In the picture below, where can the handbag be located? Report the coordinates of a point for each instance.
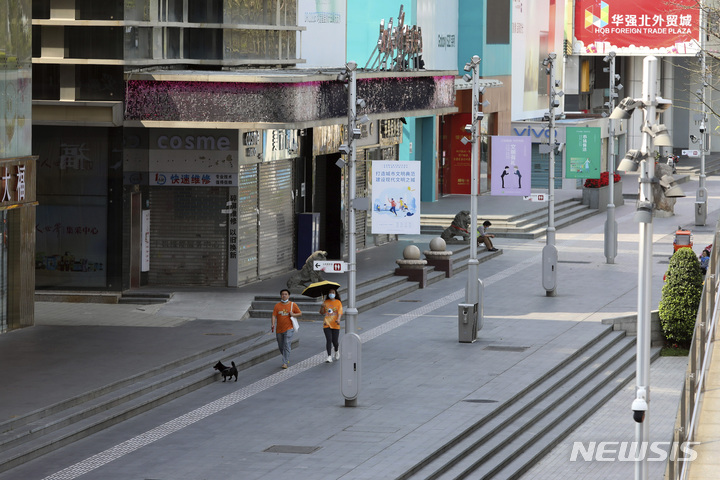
(295, 324)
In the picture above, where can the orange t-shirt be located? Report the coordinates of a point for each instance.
(333, 310)
(282, 313)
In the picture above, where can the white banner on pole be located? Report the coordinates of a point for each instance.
(396, 197)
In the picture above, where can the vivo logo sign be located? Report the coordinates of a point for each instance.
(533, 132)
(192, 142)
(628, 451)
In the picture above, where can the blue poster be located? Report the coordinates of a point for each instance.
(396, 197)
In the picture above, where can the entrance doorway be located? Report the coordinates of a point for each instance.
(327, 199)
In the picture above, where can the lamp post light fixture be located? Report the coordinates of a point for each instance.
(549, 252)
(610, 223)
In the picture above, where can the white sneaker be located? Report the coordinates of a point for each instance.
(337, 355)
(329, 359)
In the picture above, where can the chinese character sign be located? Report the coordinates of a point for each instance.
(396, 197)
(511, 162)
(640, 27)
(582, 152)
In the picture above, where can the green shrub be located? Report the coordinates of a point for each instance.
(681, 296)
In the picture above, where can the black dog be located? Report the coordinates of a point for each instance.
(227, 371)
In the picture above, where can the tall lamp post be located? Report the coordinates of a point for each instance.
(351, 348)
(610, 223)
(549, 252)
(702, 193)
(472, 289)
(653, 135)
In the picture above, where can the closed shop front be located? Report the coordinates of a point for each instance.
(276, 224)
(188, 238)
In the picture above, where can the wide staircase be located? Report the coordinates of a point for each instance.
(510, 439)
(528, 225)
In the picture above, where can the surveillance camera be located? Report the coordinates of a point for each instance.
(479, 115)
(702, 129)
(639, 407)
(693, 138)
(344, 149)
(469, 128)
(356, 133)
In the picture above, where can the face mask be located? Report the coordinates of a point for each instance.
(331, 296)
(285, 301)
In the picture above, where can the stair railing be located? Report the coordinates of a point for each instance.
(698, 364)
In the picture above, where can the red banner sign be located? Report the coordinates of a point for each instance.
(639, 27)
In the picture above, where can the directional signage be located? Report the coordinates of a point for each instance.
(691, 153)
(536, 197)
(330, 266)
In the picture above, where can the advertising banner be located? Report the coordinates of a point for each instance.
(396, 197)
(582, 152)
(641, 27)
(511, 165)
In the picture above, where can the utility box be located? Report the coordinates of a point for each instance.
(467, 322)
(350, 353)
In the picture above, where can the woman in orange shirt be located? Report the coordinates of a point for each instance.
(332, 310)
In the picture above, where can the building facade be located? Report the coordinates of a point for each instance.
(179, 142)
(17, 169)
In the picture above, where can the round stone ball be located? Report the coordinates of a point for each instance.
(437, 244)
(411, 252)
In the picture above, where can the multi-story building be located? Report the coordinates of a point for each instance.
(178, 140)
(17, 169)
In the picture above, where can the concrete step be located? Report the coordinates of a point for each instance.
(529, 225)
(508, 440)
(38, 433)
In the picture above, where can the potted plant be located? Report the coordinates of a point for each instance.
(596, 192)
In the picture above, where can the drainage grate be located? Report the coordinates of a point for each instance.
(291, 449)
(408, 300)
(480, 400)
(505, 348)
(573, 261)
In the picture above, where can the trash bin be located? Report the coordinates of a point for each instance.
(467, 322)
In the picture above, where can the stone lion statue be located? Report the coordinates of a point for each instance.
(306, 275)
(458, 228)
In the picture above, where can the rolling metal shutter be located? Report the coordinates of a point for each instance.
(277, 218)
(361, 216)
(247, 255)
(187, 244)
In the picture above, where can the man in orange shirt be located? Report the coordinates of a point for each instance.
(282, 325)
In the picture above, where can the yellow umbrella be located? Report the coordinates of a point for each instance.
(319, 289)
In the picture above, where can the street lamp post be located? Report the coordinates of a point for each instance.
(472, 289)
(702, 193)
(549, 252)
(610, 223)
(351, 346)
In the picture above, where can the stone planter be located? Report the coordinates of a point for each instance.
(598, 198)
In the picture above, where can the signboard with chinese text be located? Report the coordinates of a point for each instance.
(190, 179)
(396, 197)
(582, 152)
(17, 181)
(511, 165)
(641, 27)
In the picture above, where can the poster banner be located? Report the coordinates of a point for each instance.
(396, 197)
(641, 27)
(511, 165)
(582, 152)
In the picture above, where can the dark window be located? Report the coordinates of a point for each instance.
(49, 87)
(99, 82)
(498, 22)
(205, 11)
(94, 42)
(204, 43)
(41, 9)
(99, 10)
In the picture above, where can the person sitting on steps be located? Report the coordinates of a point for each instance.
(485, 237)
